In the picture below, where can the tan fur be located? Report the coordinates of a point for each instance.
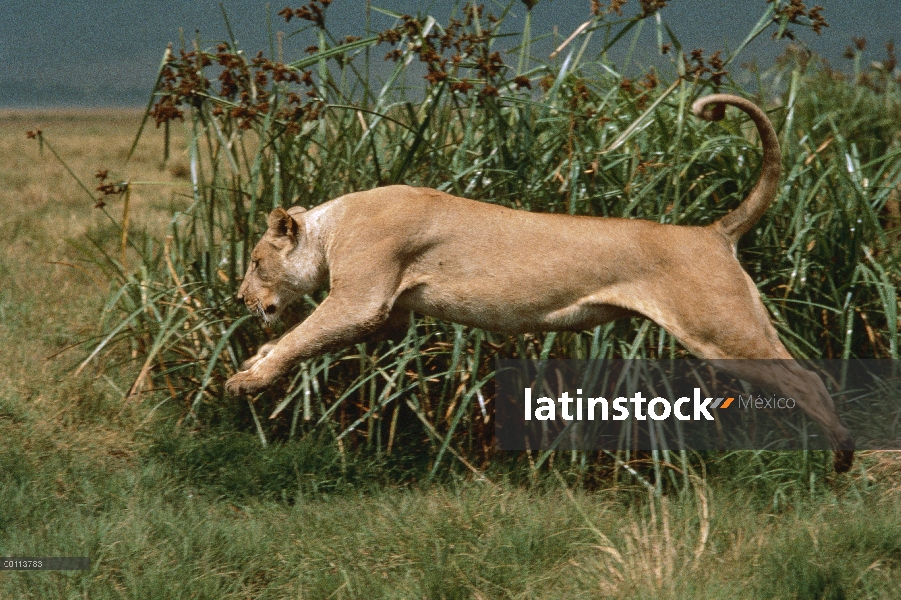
(391, 251)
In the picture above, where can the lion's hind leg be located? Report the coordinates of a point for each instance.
(732, 330)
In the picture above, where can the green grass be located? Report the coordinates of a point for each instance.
(218, 517)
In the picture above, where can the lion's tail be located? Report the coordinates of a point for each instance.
(739, 221)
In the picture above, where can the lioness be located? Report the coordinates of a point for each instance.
(394, 250)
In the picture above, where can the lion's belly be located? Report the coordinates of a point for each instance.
(504, 306)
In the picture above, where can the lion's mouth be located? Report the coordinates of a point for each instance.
(266, 313)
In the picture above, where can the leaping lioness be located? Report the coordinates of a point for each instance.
(394, 250)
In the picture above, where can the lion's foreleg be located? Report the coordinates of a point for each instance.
(335, 324)
(394, 328)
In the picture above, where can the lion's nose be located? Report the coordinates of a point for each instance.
(239, 296)
(270, 309)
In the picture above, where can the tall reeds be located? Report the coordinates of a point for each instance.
(468, 108)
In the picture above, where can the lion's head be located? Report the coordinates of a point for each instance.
(285, 265)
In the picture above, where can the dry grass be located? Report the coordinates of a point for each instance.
(50, 296)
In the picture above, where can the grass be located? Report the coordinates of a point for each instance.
(172, 513)
(168, 486)
(156, 530)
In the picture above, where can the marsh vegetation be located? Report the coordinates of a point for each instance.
(371, 472)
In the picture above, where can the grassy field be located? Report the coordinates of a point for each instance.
(378, 477)
(166, 513)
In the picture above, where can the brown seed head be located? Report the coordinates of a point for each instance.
(522, 82)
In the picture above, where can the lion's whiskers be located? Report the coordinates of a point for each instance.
(257, 309)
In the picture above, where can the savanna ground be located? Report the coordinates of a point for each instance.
(165, 513)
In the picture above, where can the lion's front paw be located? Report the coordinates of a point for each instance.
(264, 350)
(245, 366)
(247, 383)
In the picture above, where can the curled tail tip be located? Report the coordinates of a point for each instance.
(709, 108)
(739, 221)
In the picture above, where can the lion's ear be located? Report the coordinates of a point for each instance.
(281, 223)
